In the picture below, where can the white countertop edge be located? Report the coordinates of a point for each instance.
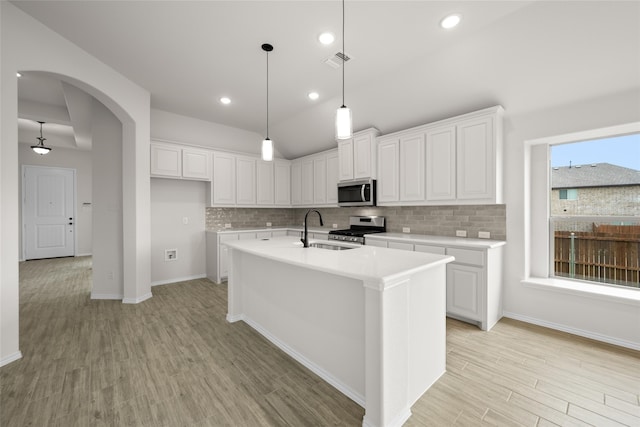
(384, 282)
(462, 242)
(258, 230)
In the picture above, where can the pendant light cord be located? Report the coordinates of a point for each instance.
(344, 54)
(267, 94)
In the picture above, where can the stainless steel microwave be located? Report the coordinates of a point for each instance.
(357, 193)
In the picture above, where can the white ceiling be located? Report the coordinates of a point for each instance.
(405, 70)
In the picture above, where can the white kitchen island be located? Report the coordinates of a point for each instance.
(370, 321)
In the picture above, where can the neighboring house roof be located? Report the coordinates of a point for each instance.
(593, 175)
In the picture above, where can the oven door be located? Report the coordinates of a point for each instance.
(357, 193)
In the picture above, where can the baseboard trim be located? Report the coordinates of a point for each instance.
(89, 254)
(178, 279)
(236, 318)
(10, 358)
(107, 296)
(575, 331)
(138, 299)
(339, 385)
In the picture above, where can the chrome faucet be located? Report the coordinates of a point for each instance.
(305, 238)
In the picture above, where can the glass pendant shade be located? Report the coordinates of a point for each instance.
(267, 150)
(344, 127)
(40, 149)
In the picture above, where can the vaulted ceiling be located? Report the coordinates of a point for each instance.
(405, 70)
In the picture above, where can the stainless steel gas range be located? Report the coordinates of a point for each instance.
(358, 227)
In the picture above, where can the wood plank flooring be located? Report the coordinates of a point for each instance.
(175, 361)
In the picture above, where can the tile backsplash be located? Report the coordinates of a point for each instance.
(434, 220)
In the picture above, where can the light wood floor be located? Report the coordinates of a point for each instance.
(174, 361)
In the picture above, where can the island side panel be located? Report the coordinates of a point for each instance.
(316, 317)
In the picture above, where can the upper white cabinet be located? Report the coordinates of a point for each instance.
(245, 180)
(282, 182)
(314, 179)
(296, 183)
(265, 183)
(223, 188)
(454, 161)
(333, 166)
(306, 181)
(176, 161)
(320, 180)
(358, 155)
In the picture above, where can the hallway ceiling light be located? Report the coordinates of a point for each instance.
(267, 144)
(41, 148)
(450, 21)
(344, 121)
(313, 95)
(224, 100)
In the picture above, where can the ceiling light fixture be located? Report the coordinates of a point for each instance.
(267, 144)
(326, 38)
(344, 123)
(224, 100)
(41, 148)
(450, 21)
(313, 96)
(18, 74)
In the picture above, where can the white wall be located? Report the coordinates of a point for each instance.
(592, 317)
(107, 204)
(27, 45)
(174, 127)
(79, 160)
(171, 202)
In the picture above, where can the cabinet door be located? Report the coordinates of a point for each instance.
(363, 156)
(378, 243)
(224, 179)
(282, 177)
(401, 246)
(475, 159)
(245, 181)
(345, 153)
(441, 163)
(388, 174)
(166, 160)
(429, 249)
(265, 182)
(464, 291)
(320, 180)
(196, 164)
(307, 182)
(412, 162)
(223, 251)
(332, 178)
(296, 183)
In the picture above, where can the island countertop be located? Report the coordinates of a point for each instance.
(377, 267)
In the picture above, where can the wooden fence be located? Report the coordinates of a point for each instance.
(609, 253)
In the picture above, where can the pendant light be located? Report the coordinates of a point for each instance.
(267, 144)
(344, 122)
(41, 148)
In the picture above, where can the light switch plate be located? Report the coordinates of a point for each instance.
(406, 230)
(484, 234)
(461, 233)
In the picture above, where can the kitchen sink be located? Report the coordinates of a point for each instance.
(330, 246)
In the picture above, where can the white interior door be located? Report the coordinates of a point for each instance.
(48, 216)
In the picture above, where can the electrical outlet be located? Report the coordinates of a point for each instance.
(268, 224)
(406, 230)
(484, 234)
(110, 275)
(185, 220)
(335, 225)
(461, 233)
(227, 226)
(170, 254)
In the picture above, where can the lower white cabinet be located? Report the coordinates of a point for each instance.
(474, 279)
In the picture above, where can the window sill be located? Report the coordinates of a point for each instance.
(588, 290)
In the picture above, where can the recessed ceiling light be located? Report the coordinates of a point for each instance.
(313, 95)
(450, 21)
(225, 100)
(18, 75)
(326, 38)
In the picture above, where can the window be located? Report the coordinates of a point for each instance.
(596, 237)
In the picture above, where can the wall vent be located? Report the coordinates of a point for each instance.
(337, 60)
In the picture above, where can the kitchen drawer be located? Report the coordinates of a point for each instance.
(402, 246)
(280, 233)
(228, 237)
(319, 236)
(466, 256)
(430, 249)
(263, 235)
(378, 243)
(246, 236)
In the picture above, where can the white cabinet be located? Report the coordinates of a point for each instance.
(378, 243)
(306, 182)
(265, 183)
(412, 167)
(476, 158)
(441, 163)
(388, 173)
(282, 182)
(400, 245)
(296, 183)
(218, 255)
(332, 177)
(464, 291)
(358, 155)
(223, 188)
(245, 180)
(175, 161)
(320, 180)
